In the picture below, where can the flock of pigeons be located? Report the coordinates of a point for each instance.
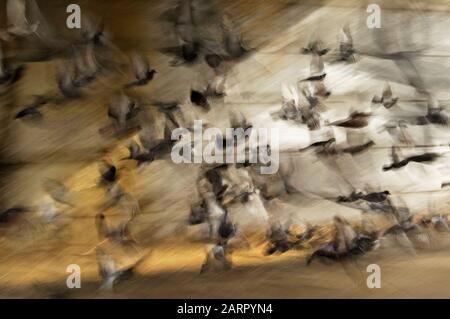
(219, 186)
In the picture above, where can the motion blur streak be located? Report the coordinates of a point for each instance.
(87, 179)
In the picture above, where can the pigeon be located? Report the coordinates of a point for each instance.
(279, 240)
(376, 197)
(434, 112)
(110, 273)
(9, 75)
(142, 70)
(355, 120)
(32, 111)
(360, 246)
(238, 120)
(218, 253)
(108, 173)
(198, 214)
(17, 21)
(290, 104)
(346, 49)
(440, 223)
(11, 214)
(199, 99)
(315, 47)
(170, 110)
(66, 83)
(328, 148)
(94, 31)
(356, 149)
(120, 234)
(317, 69)
(86, 66)
(422, 158)
(310, 117)
(58, 191)
(155, 149)
(122, 109)
(226, 229)
(346, 244)
(232, 39)
(134, 150)
(188, 49)
(387, 98)
(215, 178)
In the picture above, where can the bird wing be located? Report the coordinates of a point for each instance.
(15, 13)
(140, 65)
(290, 93)
(345, 36)
(394, 155)
(387, 91)
(316, 65)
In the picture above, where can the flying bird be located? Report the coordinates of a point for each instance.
(387, 99)
(18, 24)
(142, 70)
(355, 120)
(316, 69)
(199, 99)
(315, 47)
(397, 163)
(346, 49)
(122, 109)
(110, 272)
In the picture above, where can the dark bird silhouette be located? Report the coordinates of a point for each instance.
(356, 149)
(119, 234)
(32, 111)
(279, 240)
(346, 244)
(226, 229)
(316, 69)
(66, 84)
(12, 214)
(85, 63)
(440, 223)
(215, 178)
(355, 120)
(188, 48)
(232, 39)
(142, 70)
(376, 197)
(310, 117)
(386, 98)
(422, 158)
(199, 99)
(18, 23)
(122, 109)
(346, 51)
(199, 213)
(156, 148)
(9, 74)
(109, 271)
(134, 150)
(171, 111)
(360, 246)
(238, 120)
(108, 173)
(434, 113)
(315, 47)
